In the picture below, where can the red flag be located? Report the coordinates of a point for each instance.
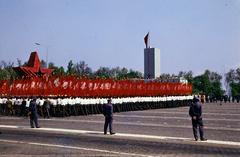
(146, 40)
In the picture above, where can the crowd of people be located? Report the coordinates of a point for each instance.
(70, 106)
(224, 98)
(73, 106)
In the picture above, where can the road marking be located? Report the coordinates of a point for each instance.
(76, 148)
(186, 113)
(184, 118)
(119, 134)
(155, 125)
(129, 116)
(144, 124)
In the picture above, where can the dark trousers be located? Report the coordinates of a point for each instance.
(195, 124)
(46, 113)
(23, 110)
(108, 122)
(34, 120)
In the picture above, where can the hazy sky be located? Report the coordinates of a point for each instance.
(192, 34)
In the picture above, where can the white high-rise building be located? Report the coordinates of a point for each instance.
(151, 63)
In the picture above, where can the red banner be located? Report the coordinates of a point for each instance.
(74, 87)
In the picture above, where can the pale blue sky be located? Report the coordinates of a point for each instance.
(192, 34)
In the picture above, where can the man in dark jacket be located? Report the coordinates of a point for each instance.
(33, 113)
(195, 112)
(108, 113)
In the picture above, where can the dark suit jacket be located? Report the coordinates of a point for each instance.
(107, 109)
(33, 107)
(195, 110)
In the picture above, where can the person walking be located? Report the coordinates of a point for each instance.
(108, 114)
(195, 112)
(33, 113)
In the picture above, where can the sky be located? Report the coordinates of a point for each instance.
(191, 34)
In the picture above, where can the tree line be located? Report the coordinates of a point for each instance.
(208, 83)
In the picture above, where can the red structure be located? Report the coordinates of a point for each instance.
(33, 68)
(71, 86)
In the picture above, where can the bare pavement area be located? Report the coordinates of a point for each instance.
(160, 132)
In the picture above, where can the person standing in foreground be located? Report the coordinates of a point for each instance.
(33, 113)
(108, 113)
(195, 112)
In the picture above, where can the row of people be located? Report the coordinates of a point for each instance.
(61, 107)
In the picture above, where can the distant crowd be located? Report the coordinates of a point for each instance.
(224, 98)
(63, 107)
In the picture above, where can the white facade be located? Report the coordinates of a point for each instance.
(151, 63)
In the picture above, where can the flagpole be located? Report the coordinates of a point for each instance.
(149, 39)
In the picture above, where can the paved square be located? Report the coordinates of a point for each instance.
(160, 132)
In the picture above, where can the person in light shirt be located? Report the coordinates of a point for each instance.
(53, 101)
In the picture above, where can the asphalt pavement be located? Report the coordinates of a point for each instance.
(160, 132)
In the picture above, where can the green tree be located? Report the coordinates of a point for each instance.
(134, 74)
(233, 80)
(59, 71)
(103, 72)
(208, 83)
(186, 75)
(71, 68)
(82, 69)
(51, 65)
(7, 72)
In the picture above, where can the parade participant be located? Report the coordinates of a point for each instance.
(59, 107)
(195, 112)
(17, 106)
(53, 101)
(9, 107)
(40, 102)
(202, 97)
(23, 107)
(46, 108)
(1, 105)
(27, 103)
(4, 106)
(108, 113)
(33, 113)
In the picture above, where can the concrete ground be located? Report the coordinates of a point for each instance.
(160, 132)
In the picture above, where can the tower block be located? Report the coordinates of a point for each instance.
(151, 63)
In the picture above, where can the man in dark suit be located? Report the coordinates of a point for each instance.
(195, 112)
(33, 113)
(108, 113)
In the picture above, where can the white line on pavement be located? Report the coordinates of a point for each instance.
(130, 116)
(76, 148)
(152, 125)
(186, 113)
(142, 124)
(119, 134)
(164, 117)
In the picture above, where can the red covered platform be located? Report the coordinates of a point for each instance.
(33, 68)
